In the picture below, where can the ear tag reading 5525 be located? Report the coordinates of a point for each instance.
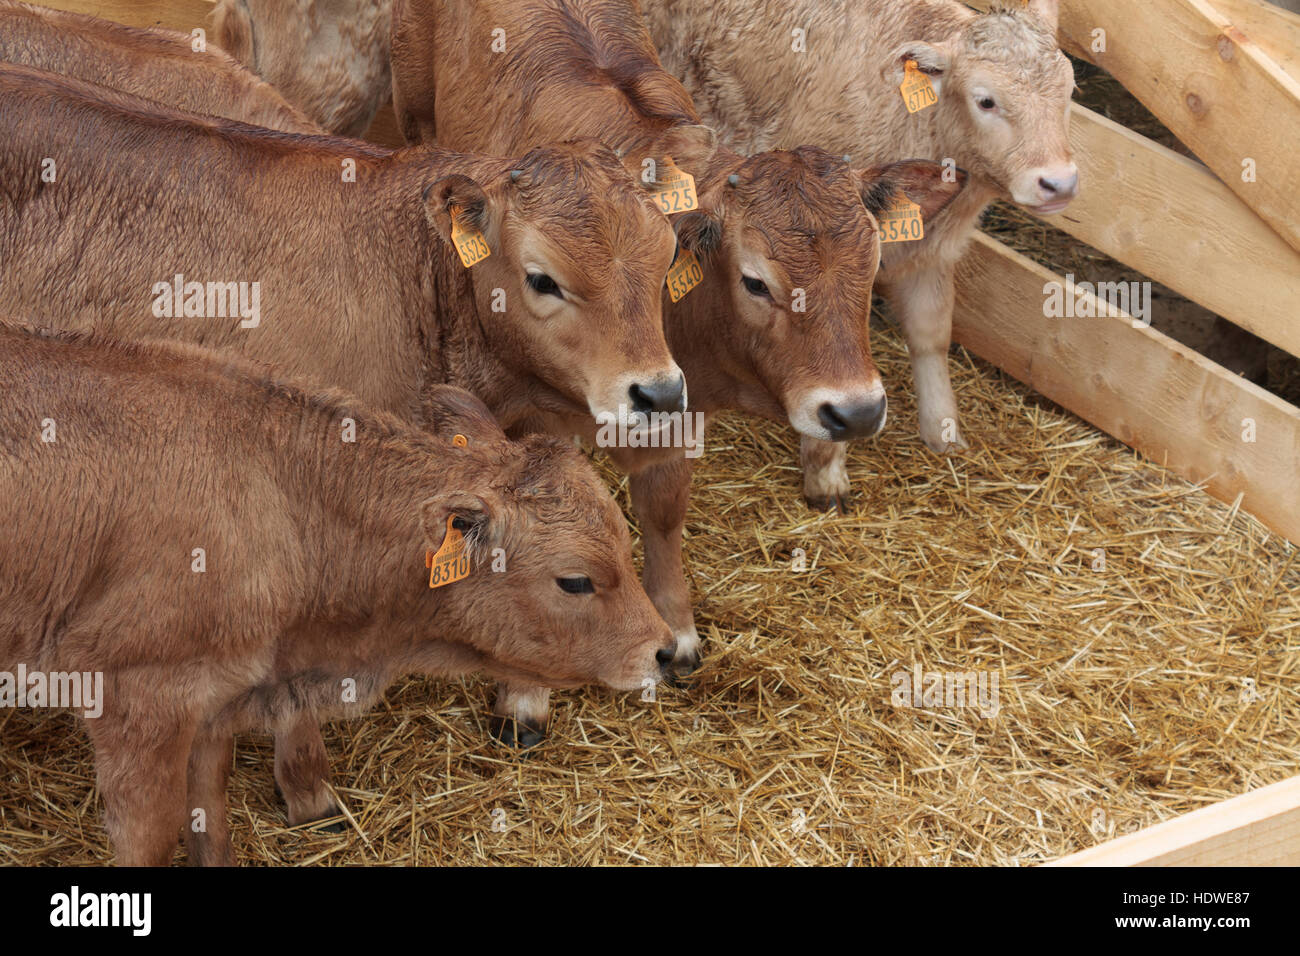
(918, 92)
(674, 189)
(901, 220)
(451, 562)
(470, 243)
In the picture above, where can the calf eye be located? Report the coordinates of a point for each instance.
(543, 284)
(987, 104)
(755, 286)
(576, 585)
(461, 524)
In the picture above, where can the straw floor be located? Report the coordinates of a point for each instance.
(1161, 683)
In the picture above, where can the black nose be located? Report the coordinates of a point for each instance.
(665, 656)
(662, 395)
(1059, 187)
(857, 420)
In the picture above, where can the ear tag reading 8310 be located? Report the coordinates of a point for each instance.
(674, 189)
(470, 243)
(901, 220)
(918, 92)
(451, 561)
(684, 275)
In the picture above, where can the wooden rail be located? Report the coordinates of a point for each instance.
(1170, 218)
(1260, 828)
(1172, 404)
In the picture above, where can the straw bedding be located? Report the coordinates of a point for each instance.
(1155, 686)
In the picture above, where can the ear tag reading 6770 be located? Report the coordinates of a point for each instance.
(451, 561)
(469, 241)
(918, 92)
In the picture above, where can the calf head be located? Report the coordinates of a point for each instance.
(563, 605)
(790, 246)
(570, 293)
(1004, 94)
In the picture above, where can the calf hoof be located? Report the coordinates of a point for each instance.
(517, 733)
(336, 827)
(839, 503)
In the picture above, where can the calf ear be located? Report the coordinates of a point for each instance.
(465, 196)
(1049, 11)
(934, 59)
(473, 516)
(690, 147)
(920, 180)
(699, 232)
(454, 411)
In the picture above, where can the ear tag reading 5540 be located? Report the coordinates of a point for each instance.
(675, 189)
(469, 241)
(918, 92)
(684, 275)
(901, 220)
(451, 562)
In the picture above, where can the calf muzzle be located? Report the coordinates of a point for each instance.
(666, 394)
(845, 421)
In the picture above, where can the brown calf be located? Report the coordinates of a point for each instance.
(329, 57)
(355, 286)
(251, 554)
(157, 64)
(788, 240)
(1003, 93)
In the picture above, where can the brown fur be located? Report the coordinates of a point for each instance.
(359, 288)
(314, 551)
(794, 219)
(383, 308)
(156, 64)
(328, 57)
(735, 57)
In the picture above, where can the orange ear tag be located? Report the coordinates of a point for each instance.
(460, 441)
(901, 221)
(451, 562)
(684, 275)
(674, 190)
(918, 92)
(470, 243)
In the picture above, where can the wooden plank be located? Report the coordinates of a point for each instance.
(1274, 30)
(1169, 403)
(1170, 218)
(183, 15)
(1213, 87)
(1260, 828)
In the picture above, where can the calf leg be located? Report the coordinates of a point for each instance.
(520, 714)
(923, 303)
(141, 764)
(660, 495)
(302, 770)
(207, 836)
(825, 477)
